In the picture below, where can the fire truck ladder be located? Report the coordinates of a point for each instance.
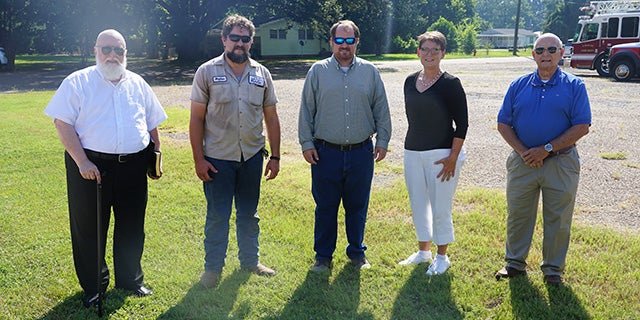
(608, 7)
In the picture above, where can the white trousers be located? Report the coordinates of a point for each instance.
(431, 199)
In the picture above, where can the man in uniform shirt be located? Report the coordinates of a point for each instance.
(230, 97)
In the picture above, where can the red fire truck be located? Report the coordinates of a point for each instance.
(604, 24)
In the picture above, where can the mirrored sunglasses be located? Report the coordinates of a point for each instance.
(106, 50)
(237, 37)
(541, 50)
(349, 41)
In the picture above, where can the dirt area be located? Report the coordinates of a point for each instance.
(609, 193)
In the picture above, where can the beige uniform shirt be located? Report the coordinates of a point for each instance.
(234, 118)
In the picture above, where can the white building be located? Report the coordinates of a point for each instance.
(503, 38)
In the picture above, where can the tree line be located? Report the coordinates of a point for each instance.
(153, 26)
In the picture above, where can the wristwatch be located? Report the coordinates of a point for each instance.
(548, 147)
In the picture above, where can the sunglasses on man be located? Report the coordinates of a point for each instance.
(106, 50)
(237, 37)
(541, 50)
(349, 41)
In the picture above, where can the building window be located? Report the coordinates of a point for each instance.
(282, 34)
(305, 34)
(273, 34)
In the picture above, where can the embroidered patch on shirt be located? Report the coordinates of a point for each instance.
(220, 79)
(258, 81)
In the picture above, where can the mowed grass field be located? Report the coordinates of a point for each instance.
(37, 279)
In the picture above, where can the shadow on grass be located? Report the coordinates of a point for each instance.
(317, 298)
(528, 302)
(72, 307)
(201, 303)
(424, 297)
(48, 76)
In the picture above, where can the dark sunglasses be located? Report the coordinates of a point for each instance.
(349, 41)
(237, 37)
(540, 50)
(106, 50)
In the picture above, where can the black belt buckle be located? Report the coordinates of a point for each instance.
(346, 147)
(122, 158)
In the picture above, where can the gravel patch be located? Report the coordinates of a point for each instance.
(609, 192)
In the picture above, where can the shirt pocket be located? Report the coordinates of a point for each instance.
(221, 93)
(256, 95)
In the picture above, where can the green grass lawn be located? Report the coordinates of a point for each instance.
(37, 278)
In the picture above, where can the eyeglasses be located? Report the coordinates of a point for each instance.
(237, 37)
(106, 50)
(349, 41)
(430, 50)
(540, 50)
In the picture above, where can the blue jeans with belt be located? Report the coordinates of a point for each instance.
(239, 181)
(341, 176)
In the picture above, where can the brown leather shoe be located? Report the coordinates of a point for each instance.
(209, 279)
(509, 272)
(261, 270)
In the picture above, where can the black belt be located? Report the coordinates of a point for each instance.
(561, 151)
(343, 147)
(120, 158)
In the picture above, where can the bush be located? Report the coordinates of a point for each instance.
(399, 45)
(468, 40)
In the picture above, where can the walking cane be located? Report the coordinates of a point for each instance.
(99, 251)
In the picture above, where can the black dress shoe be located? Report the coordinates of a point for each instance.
(142, 291)
(553, 279)
(91, 299)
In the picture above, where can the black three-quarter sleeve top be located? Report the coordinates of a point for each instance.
(433, 113)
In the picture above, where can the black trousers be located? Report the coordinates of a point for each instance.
(124, 189)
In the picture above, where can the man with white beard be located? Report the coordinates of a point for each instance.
(107, 119)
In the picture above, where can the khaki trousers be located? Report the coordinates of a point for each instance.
(557, 181)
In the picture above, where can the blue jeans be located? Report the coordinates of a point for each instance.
(341, 176)
(239, 181)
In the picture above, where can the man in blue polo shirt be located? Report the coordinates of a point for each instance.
(543, 115)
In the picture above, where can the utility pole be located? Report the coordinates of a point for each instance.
(515, 34)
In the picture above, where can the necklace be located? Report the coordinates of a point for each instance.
(428, 84)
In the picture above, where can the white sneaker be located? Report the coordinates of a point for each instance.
(439, 266)
(415, 258)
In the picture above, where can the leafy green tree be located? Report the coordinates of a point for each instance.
(14, 27)
(562, 19)
(502, 13)
(373, 17)
(467, 38)
(449, 30)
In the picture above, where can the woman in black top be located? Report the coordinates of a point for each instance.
(436, 108)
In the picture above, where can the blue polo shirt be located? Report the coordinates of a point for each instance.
(540, 111)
